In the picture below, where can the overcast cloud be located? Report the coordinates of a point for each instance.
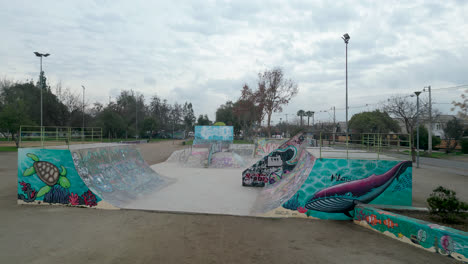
(204, 51)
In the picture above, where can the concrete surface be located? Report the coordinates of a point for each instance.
(55, 234)
(215, 191)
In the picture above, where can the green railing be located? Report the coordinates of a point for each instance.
(378, 143)
(34, 136)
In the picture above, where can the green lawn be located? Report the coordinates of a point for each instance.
(8, 149)
(438, 155)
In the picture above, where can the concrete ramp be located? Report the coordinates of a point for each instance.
(117, 174)
(93, 177)
(273, 167)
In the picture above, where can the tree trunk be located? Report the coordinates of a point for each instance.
(268, 125)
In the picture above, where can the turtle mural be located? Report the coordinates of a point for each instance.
(49, 176)
(48, 173)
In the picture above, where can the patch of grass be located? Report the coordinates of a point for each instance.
(242, 141)
(8, 149)
(441, 155)
(189, 142)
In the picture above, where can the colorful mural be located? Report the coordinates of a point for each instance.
(432, 237)
(273, 196)
(209, 134)
(271, 168)
(263, 146)
(117, 174)
(335, 186)
(49, 176)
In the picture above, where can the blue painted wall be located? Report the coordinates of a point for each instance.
(69, 189)
(332, 172)
(204, 134)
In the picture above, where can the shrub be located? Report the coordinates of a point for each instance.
(464, 145)
(444, 204)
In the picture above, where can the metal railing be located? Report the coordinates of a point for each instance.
(378, 143)
(34, 136)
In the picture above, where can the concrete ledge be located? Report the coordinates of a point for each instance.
(428, 236)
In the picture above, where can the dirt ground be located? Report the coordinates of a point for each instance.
(58, 234)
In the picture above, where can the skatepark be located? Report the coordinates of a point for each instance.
(198, 238)
(206, 177)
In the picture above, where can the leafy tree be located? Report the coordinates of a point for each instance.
(301, 113)
(203, 120)
(246, 113)
(453, 131)
(150, 126)
(309, 114)
(423, 138)
(373, 122)
(188, 116)
(12, 116)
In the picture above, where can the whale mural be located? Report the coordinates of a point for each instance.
(333, 187)
(343, 197)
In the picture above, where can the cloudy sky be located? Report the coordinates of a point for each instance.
(204, 51)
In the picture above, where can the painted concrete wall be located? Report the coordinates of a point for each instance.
(271, 168)
(263, 146)
(49, 176)
(208, 134)
(335, 186)
(432, 237)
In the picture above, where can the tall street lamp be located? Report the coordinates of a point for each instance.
(417, 127)
(346, 38)
(82, 128)
(40, 55)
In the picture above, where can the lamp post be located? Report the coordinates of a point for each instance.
(417, 127)
(82, 128)
(429, 134)
(40, 55)
(346, 38)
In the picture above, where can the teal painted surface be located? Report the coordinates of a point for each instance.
(432, 237)
(71, 193)
(331, 172)
(210, 134)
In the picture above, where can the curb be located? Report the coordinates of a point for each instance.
(428, 236)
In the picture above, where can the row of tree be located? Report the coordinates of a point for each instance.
(128, 116)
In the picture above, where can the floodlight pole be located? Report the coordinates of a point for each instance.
(41, 86)
(82, 128)
(346, 40)
(417, 127)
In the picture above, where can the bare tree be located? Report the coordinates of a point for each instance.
(274, 91)
(463, 105)
(405, 109)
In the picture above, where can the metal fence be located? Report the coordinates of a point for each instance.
(35, 136)
(378, 143)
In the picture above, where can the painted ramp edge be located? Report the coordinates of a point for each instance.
(271, 168)
(334, 187)
(119, 174)
(48, 176)
(428, 236)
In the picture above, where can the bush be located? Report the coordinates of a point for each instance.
(444, 204)
(464, 145)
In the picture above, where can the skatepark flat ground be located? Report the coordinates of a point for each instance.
(53, 234)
